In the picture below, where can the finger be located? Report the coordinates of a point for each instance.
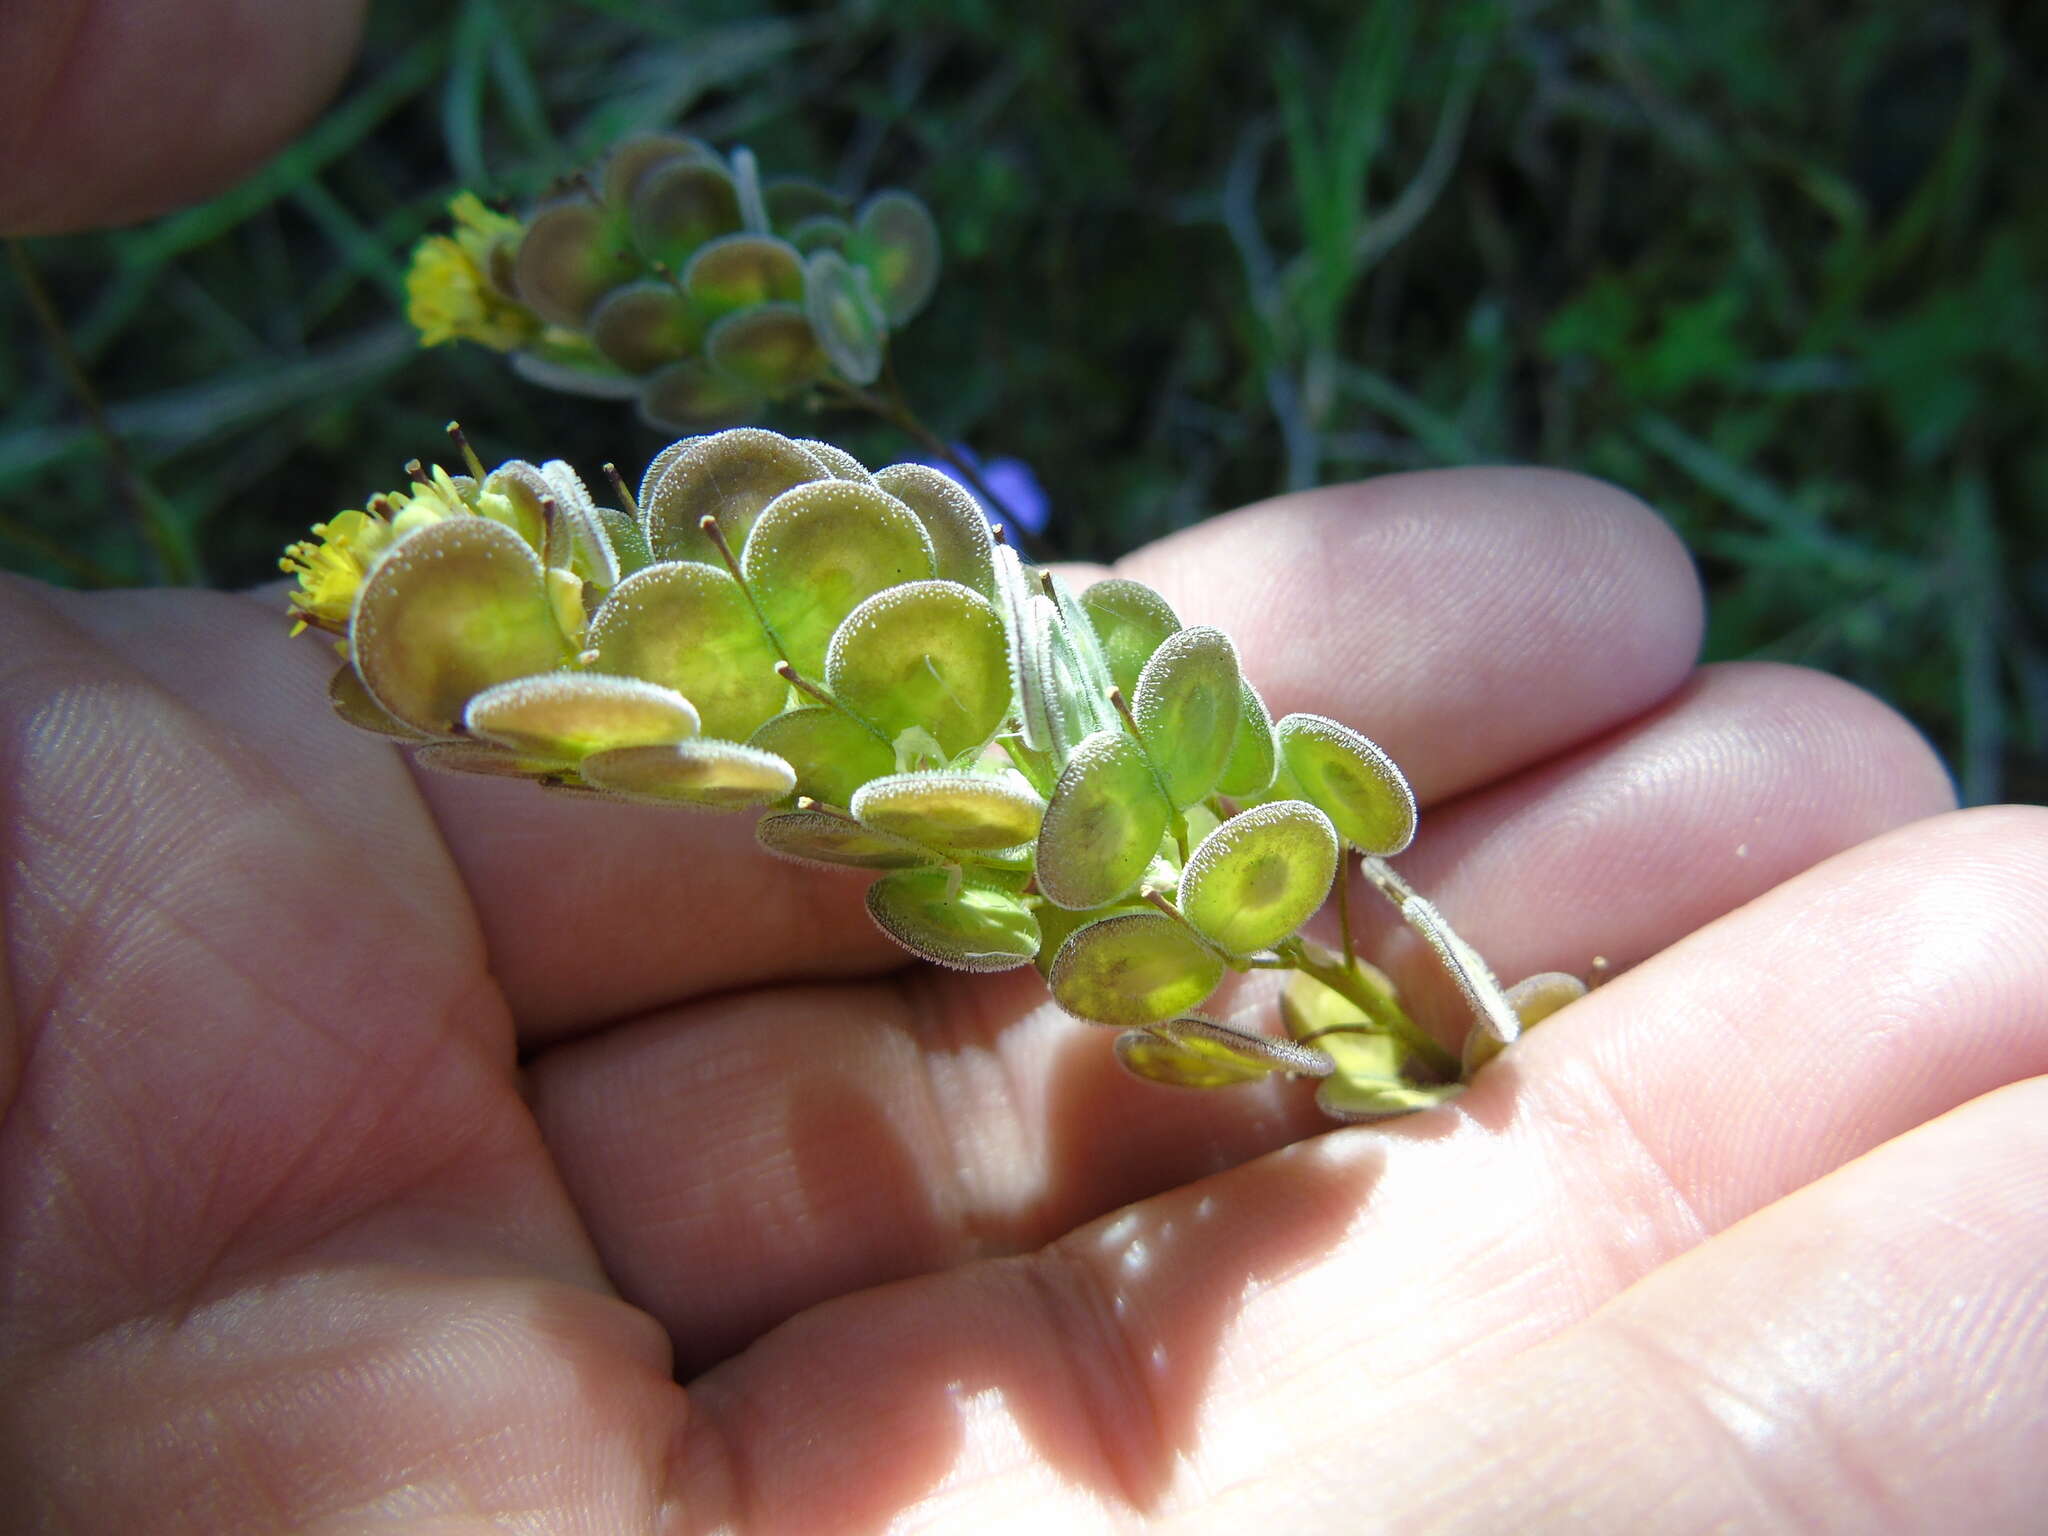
(1869, 1354)
(113, 110)
(984, 1120)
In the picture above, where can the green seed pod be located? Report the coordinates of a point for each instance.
(958, 924)
(1534, 999)
(569, 258)
(832, 753)
(628, 541)
(737, 272)
(961, 544)
(1140, 968)
(575, 536)
(1198, 1052)
(770, 349)
(1186, 707)
(821, 233)
(818, 551)
(1130, 621)
(700, 773)
(479, 759)
(832, 842)
(452, 609)
(689, 394)
(790, 200)
(731, 476)
(843, 465)
(1259, 876)
(637, 154)
(584, 373)
(927, 656)
(896, 239)
(567, 716)
(962, 812)
(1102, 825)
(690, 628)
(1255, 753)
(843, 311)
(643, 325)
(1354, 783)
(680, 205)
(1360, 1100)
(352, 701)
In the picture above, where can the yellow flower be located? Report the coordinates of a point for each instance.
(331, 570)
(449, 294)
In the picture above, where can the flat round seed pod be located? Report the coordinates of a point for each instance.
(576, 538)
(950, 922)
(628, 541)
(593, 377)
(708, 775)
(1197, 1052)
(1026, 615)
(962, 546)
(818, 551)
(843, 465)
(1261, 875)
(1254, 752)
(740, 271)
(659, 466)
(480, 758)
(926, 655)
(1140, 968)
(678, 206)
(352, 701)
(833, 754)
(770, 349)
(688, 393)
(568, 259)
(1130, 621)
(966, 812)
(1361, 1100)
(728, 475)
(569, 715)
(637, 154)
(828, 841)
(845, 314)
(690, 628)
(452, 609)
(1352, 780)
(898, 241)
(640, 326)
(1186, 706)
(1534, 999)
(1102, 825)
(791, 199)
(820, 232)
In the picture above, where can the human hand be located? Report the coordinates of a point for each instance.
(342, 1103)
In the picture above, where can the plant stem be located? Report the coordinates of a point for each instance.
(895, 410)
(170, 544)
(1381, 1011)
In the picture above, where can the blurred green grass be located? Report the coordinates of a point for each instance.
(1780, 268)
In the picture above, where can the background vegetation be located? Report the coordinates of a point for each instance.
(1777, 265)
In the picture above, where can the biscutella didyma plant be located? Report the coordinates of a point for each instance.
(675, 277)
(1028, 775)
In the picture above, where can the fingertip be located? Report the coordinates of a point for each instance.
(113, 110)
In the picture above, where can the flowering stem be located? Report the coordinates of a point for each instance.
(895, 410)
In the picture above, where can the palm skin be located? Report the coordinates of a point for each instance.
(377, 1155)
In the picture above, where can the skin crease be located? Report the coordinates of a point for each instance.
(378, 1154)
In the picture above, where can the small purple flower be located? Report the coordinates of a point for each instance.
(1011, 480)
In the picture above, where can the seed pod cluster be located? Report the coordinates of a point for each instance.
(676, 277)
(1026, 774)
